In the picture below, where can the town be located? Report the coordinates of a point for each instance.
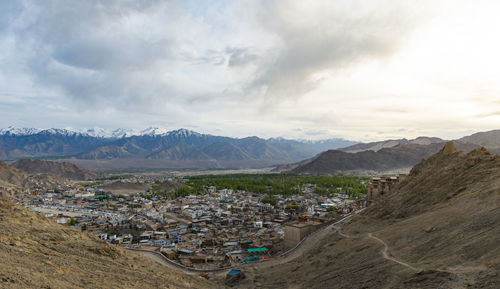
(216, 227)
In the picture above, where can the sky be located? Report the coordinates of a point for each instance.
(362, 70)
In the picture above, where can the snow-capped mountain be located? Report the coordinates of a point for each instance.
(19, 131)
(121, 132)
(153, 143)
(15, 131)
(98, 132)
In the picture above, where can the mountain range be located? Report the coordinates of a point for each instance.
(182, 148)
(390, 156)
(159, 147)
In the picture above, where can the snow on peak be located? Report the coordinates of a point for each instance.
(59, 131)
(19, 131)
(152, 131)
(101, 132)
(183, 133)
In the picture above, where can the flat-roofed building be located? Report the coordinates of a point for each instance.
(381, 185)
(296, 231)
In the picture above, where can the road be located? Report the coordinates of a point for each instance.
(308, 243)
(157, 257)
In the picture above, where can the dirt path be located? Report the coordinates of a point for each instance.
(454, 270)
(386, 255)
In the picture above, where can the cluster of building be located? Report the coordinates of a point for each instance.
(212, 230)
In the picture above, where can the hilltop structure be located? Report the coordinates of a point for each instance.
(379, 186)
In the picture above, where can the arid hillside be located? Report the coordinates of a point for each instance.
(439, 228)
(14, 181)
(398, 158)
(61, 169)
(37, 253)
(11, 179)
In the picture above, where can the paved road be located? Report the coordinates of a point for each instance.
(157, 257)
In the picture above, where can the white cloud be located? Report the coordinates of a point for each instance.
(358, 69)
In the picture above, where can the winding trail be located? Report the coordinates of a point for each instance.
(387, 257)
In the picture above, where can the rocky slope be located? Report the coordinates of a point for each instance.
(42, 254)
(487, 139)
(400, 157)
(376, 146)
(11, 179)
(439, 228)
(14, 181)
(61, 169)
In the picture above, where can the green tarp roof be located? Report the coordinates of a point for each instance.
(257, 249)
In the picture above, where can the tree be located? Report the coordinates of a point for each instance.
(269, 200)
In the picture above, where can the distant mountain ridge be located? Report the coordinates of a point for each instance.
(376, 146)
(488, 139)
(389, 156)
(396, 159)
(159, 145)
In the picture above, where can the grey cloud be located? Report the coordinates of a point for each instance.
(118, 53)
(211, 57)
(9, 11)
(316, 132)
(240, 56)
(81, 49)
(344, 33)
(233, 56)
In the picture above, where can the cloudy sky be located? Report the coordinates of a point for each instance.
(362, 70)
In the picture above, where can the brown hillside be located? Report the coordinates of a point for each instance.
(398, 157)
(14, 181)
(11, 179)
(439, 228)
(37, 253)
(61, 169)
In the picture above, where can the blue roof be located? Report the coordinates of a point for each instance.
(234, 272)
